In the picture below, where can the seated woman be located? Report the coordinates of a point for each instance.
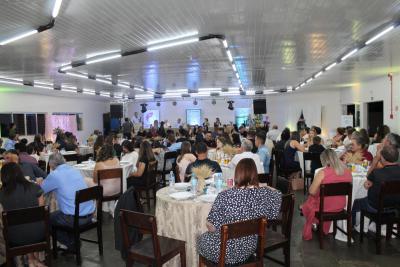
(128, 153)
(146, 156)
(106, 160)
(334, 171)
(289, 152)
(358, 150)
(184, 159)
(18, 193)
(243, 202)
(339, 137)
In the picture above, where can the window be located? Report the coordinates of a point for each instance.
(41, 124)
(19, 120)
(5, 120)
(31, 126)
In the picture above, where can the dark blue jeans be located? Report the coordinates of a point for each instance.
(361, 204)
(59, 218)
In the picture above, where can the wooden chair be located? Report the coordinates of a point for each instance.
(24, 216)
(42, 164)
(385, 215)
(73, 158)
(309, 174)
(275, 240)
(329, 190)
(92, 193)
(238, 230)
(154, 251)
(265, 178)
(177, 174)
(150, 176)
(107, 174)
(171, 155)
(281, 169)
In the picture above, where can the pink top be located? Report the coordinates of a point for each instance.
(335, 203)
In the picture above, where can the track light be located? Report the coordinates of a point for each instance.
(230, 105)
(379, 35)
(352, 52)
(161, 46)
(56, 8)
(18, 37)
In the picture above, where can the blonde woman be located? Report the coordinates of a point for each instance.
(333, 171)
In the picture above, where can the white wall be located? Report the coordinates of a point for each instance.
(91, 108)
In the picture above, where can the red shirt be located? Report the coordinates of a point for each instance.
(367, 156)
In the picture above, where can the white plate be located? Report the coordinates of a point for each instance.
(80, 165)
(209, 198)
(182, 186)
(181, 195)
(209, 181)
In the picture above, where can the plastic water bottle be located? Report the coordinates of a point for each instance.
(171, 179)
(193, 182)
(218, 181)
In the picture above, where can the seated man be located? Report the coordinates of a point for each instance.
(389, 172)
(29, 170)
(201, 151)
(262, 150)
(246, 149)
(209, 140)
(24, 157)
(173, 145)
(391, 139)
(64, 180)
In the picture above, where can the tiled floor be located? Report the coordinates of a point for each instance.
(303, 253)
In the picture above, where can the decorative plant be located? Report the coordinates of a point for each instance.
(355, 158)
(202, 172)
(229, 150)
(58, 131)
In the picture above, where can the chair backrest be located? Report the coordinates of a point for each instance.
(388, 188)
(336, 189)
(106, 174)
(150, 173)
(145, 223)
(42, 164)
(243, 229)
(271, 167)
(94, 193)
(177, 174)
(314, 157)
(169, 155)
(25, 216)
(72, 157)
(279, 161)
(287, 208)
(265, 178)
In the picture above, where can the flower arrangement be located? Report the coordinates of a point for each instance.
(202, 172)
(229, 150)
(355, 158)
(58, 131)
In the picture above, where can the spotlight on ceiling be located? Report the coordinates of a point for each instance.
(144, 109)
(214, 102)
(158, 104)
(230, 105)
(195, 102)
(174, 103)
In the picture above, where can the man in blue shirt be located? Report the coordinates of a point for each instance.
(262, 150)
(64, 181)
(9, 144)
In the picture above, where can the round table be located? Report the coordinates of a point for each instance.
(182, 220)
(85, 150)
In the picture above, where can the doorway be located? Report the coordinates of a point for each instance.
(374, 117)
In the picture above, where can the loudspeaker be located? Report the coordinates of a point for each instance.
(260, 106)
(117, 111)
(106, 124)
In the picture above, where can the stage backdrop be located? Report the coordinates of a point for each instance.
(149, 117)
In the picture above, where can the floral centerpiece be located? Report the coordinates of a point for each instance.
(355, 158)
(202, 172)
(58, 131)
(229, 150)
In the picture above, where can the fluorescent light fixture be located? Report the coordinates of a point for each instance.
(103, 80)
(352, 52)
(233, 88)
(228, 52)
(209, 89)
(76, 75)
(234, 67)
(301, 85)
(11, 82)
(88, 91)
(331, 66)
(297, 87)
(66, 67)
(125, 85)
(200, 94)
(101, 59)
(18, 37)
(95, 54)
(56, 8)
(237, 75)
(43, 87)
(106, 94)
(379, 35)
(161, 46)
(229, 93)
(144, 96)
(68, 89)
(176, 91)
(225, 43)
(118, 95)
(250, 92)
(318, 74)
(138, 89)
(171, 95)
(309, 80)
(186, 35)
(42, 83)
(269, 92)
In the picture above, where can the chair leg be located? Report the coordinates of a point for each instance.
(389, 231)
(129, 262)
(349, 231)
(54, 242)
(100, 239)
(361, 227)
(334, 228)
(286, 253)
(78, 248)
(321, 234)
(378, 237)
(148, 199)
(154, 195)
(182, 254)
(9, 262)
(201, 261)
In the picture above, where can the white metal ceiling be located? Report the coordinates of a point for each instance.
(275, 43)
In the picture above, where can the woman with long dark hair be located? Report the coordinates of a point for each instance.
(18, 193)
(184, 159)
(146, 156)
(291, 147)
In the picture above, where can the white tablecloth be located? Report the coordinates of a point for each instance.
(45, 156)
(87, 169)
(84, 150)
